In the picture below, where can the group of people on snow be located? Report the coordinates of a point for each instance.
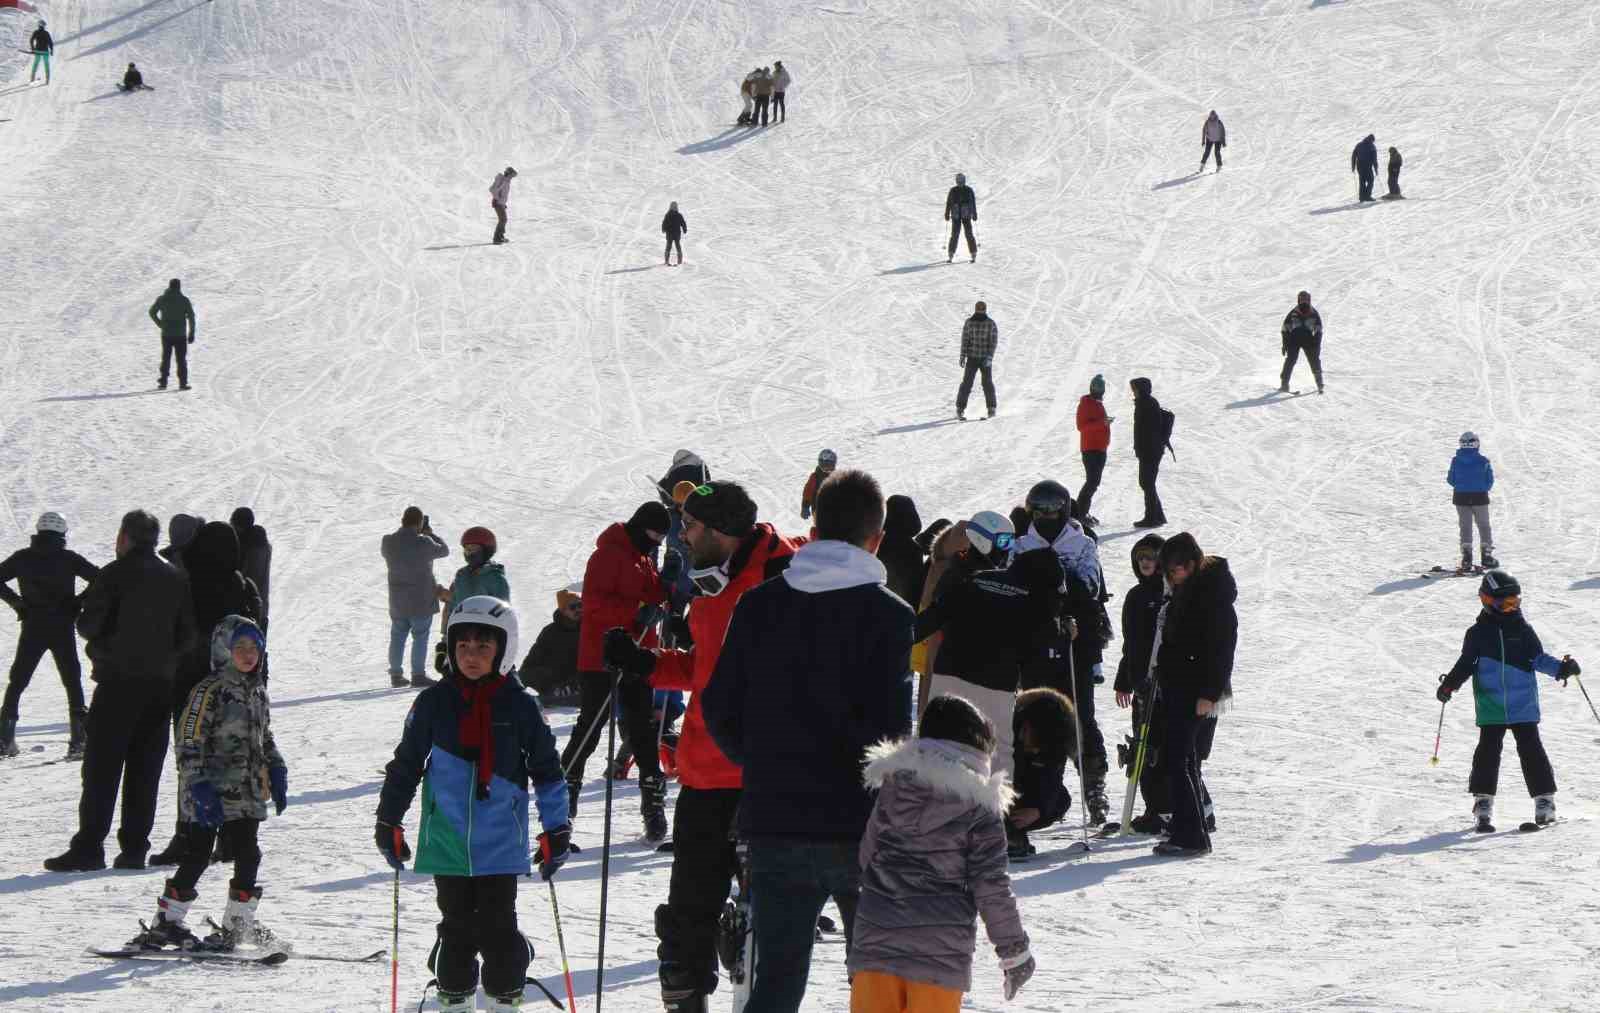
(762, 91)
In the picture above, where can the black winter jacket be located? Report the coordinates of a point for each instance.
(1141, 607)
(41, 42)
(1040, 778)
(1200, 634)
(1365, 156)
(674, 225)
(47, 572)
(218, 590)
(961, 204)
(173, 311)
(552, 662)
(1147, 437)
(994, 620)
(255, 562)
(900, 552)
(137, 619)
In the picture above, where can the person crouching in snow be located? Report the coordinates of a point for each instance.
(475, 740)
(1045, 734)
(229, 768)
(933, 861)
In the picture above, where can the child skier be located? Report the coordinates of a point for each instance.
(481, 576)
(826, 462)
(1500, 654)
(1472, 476)
(933, 860)
(229, 768)
(1141, 613)
(474, 741)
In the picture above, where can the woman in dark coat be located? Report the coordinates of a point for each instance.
(900, 553)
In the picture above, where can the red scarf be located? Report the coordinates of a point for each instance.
(477, 724)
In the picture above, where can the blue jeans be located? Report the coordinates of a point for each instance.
(790, 880)
(418, 627)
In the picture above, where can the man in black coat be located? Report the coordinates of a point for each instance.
(138, 623)
(174, 314)
(1149, 443)
(47, 572)
(551, 667)
(1364, 162)
(255, 556)
(674, 227)
(1302, 332)
(961, 210)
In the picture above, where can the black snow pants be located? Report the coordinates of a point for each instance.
(973, 368)
(674, 241)
(127, 730)
(32, 643)
(1313, 349)
(1054, 673)
(1368, 177)
(1209, 148)
(238, 835)
(703, 866)
(780, 112)
(1394, 182)
(1186, 737)
(1536, 769)
(956, 226)
(179, 347)
(499, 223)
(479, 919)
(1153, 778)
(638, 726)
(1149, 470)
(1094, 465)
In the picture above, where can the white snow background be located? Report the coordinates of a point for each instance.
(317, 174)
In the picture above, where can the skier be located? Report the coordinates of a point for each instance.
(747, 92)
(1302, 332)
(781, 80)
(1471, 476)
(826, 462)
(499, 197)
(171, 311)
(1364, 162)
(475, 741)
(1394, 175)
(673, 226)
(551, 667)
(255, 556)
(1151, 439)
(1141, 611)
(408, 555)
(132, 80)
(1194, 670)
(479, 576)
(181, 530)
(1045, 735)
(932, 863)
(1094, 437)
(1500, 654)
(43, 47)
(621, 588)
(961, 210)
(731, 554)
(47, 573)
(1215, 137)
(979, 338)
(762, 86)
(229, 769)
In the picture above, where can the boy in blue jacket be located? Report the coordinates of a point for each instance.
(1472, 476)
(475, 740)
(1500, 654)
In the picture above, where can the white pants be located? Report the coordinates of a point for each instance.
(749, 104)
(998, 705)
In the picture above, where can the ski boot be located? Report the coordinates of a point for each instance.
(1099, 806)
(1018, 847)
(457, 1002)
(168, 930)
(397, 679)
(679, 993)
(174, 852)
(574, 787)
(1544, 809)
(239, 925)
(1466, 560)
(8, 738)
(653, 807)
(1149, 823)
(1487, 557)
(78, 739)
(1483, 810)
(503, 1003)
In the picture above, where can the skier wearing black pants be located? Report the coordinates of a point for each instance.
(1149, 443)
(1302, 332)
(1364, 163)
(961, 210)
(673, 226)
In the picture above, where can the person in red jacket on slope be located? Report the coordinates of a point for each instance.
(1094, 436)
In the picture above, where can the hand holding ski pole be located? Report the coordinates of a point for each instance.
(1444, 698)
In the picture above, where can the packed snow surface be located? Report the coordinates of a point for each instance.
(316, 172)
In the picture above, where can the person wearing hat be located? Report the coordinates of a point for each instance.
(480, 576)
(622, 588)
(1094, 438)
(499, 197)
(174, 314)
(674, 228)
(1470, 477)
(826, 462)
(979, 338)
(42, 47)
(47, 573)
(747, 92)
(551, 667)
(730, 553)
(1302, 332)
(781, 80)
(132, 80)
(961, 210)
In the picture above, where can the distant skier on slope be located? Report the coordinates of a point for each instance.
(781, 80)
(747, 92)
(132, 80)
(43, 47)
(674, 227)
(763, 90)
(826, 462)
(1471, 476)
(1364, 162)
(1302, 332)
(1215, 137)
(171, 312)
(499, 196)
(1394, 175)
(979, 338)
(961, 210)
(1094, 437)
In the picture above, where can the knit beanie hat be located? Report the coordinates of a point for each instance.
(1097, 386)
(724, 507)
(565, 598)
(651, 516)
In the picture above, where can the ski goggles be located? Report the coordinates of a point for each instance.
(1002, 540)
(1510, 603)
(710, 581)
(1049, 509)
(1147, 556)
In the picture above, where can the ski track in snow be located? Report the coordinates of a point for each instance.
(316, 173)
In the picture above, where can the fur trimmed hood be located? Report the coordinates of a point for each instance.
(946, 767)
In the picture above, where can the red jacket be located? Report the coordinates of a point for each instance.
(1094, 429)
(700, 763)
(618, 579)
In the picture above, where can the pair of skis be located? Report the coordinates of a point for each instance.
(1136, 769)
(272, 959)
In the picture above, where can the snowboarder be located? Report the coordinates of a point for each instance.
(1500, 654)
(551, 667)
(1394, 175)
(979, 338)
(1094, 437)
(747, 92)
(673, 226)
(1141, 611)
(961, 210)
(1364, 162)
(171, 312)
(1215, 137)
(499, 197)
(826, 462)
(408, 554)
(475, 741)
(932, 863)
(781, 80)
(480, 576)
(762, 87)
(1471, 476)
(1302, 332)
(132, 80)
(1150, 441)
(47, 572)
(229, 769)
(1044, 732)
(43, 47)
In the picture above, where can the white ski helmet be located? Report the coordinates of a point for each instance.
(988, 531)
(827, 460)
(1469, 440)
(485, 610)
(51, 521)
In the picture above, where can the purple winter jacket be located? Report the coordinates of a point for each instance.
(932, 860)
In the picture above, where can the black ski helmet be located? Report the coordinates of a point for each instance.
(1049, 497)
(1499, 584)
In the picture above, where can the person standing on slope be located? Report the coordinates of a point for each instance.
(408, 554)
(480, 576)
(174, 314)
(979, 339)
(1215, 137)
(47, 573)
(1149, 444)
(1141, 615)
(499, 197)
(1395, 162)
(1094, 438)
(763, 90)
(1302, 332)
(673, 227)
(1364, 162)
(826, 462)
(1471, 476)
(961, 210)
(255, 556)
(781, 80)
(43, 47)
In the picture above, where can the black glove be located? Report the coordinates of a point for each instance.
(1569, 668)
(279, 777)
(554, 847)
(391, 841)
(679, 633)
(671, 569)
(441, 657)
(623, 654)
(1445, 691)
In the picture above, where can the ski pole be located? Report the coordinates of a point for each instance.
(1437, 736)
(394, 945)
(1077, 722)
(605, 853)
(1586, 697)
(561, 944)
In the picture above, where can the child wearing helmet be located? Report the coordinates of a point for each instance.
(826, 462)
(475, 742)
(1500, 654)
(481, 576)
(1471, 476)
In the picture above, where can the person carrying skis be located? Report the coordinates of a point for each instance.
(781, 80)
(132, 80)
(174, 314)
(1500, 654)
(961, 210)
(43, 47)
(979, 339)
(1302, 332)
(1364, 163)
(673, 227)
(826, 462)
(1150, 442)
(1094, 438)
(1141, 615)
(1471, 476)
(475, 741)
(47, 573)
(1395, 161)
(1214, 136)
(499, 197)
(229, 769)
(1045, 737)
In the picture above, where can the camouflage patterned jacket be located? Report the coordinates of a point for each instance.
(225, 736)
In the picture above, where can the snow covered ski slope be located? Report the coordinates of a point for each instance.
(316, 172)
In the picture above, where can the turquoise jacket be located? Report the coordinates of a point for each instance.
(489, 579)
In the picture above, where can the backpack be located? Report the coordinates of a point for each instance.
(1168, 420)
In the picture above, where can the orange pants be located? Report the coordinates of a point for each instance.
(876, 992)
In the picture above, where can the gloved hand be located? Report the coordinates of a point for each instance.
(1018, 967)
(391, 841)
(1569, 668)
(671, 569)
(554, 847)
(622, 653)
(805, 511)
(279, 776)
(207, 804)
(1443, 695)
(678, 631)
(1099, 674)
(191, 339)
(441, 657)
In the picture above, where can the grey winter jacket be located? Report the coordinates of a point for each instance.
(410, 555)
(932, 861)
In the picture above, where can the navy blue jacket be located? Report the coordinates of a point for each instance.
(1500, 654)
(1471, 476)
